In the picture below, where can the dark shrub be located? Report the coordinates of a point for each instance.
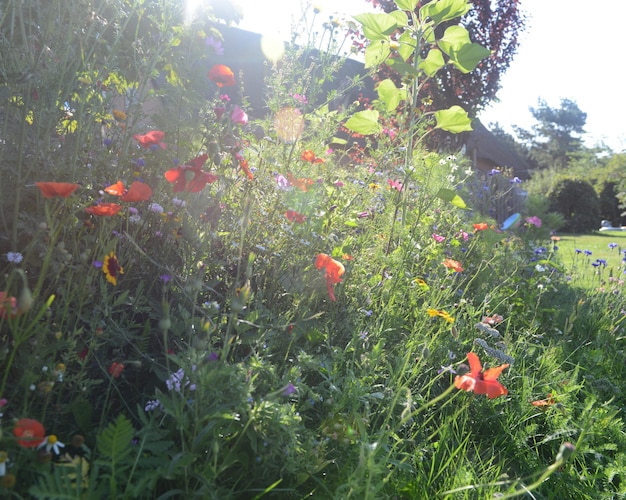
(578, 202)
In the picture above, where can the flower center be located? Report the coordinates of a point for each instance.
(52, 439)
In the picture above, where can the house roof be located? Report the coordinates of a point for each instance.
(483, 145)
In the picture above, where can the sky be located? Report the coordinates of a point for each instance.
(571, 49)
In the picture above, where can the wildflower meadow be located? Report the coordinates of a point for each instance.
(199, 299)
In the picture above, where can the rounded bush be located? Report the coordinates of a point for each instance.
(579, 204)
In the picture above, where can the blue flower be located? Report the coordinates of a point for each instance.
(612, 245)
(588, 252)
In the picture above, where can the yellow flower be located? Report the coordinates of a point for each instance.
(442, 314)
(111, 268)
(373, 186)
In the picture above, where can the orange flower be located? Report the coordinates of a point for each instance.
(116, 189)
(116, 369)
(479, 381)
(150, 139)
(544, 402)
(29, 432)
(334, 271)
(308, 155)
(301, 183)
(453, 264)
(119, 115)
(481, 226)
(244, 166)
(222, 75)
(294, 216)
(138, 191)
(104, 209)
(8, 306)
(52, 189)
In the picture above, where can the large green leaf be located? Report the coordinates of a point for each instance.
(444, 10)
(376, 53)
(468, 56)
(451, 197)
(406, 4)
(364, 122)
(408, 44)
(378, 26)
(454, 120)
(463, 54)
(434, 62)
(390, 94)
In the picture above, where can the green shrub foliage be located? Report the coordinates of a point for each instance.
(578, 202)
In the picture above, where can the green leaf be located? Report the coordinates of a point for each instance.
(376, 52)
(364, 122)
(463, 54)
(468, 56)
(406, 4)
(114, 441)
(390, 94)
(454, 120)
(407, 45)
(401, 67)
(434, 62)
(451, 197)
(378, 26)
(444, 10)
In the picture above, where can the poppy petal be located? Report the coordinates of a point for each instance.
(116, 189)
(138, 191)
(52, 189)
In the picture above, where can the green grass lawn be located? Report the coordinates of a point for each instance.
(579, 265)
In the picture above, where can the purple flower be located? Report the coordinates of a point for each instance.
(515, 180)
(212, 357)
(140, 162)
(214, 45)
(97, 264)
(282, 182)
(165, 278)
(494, 171)
(612, 245)
(289, 389)
(588, 252)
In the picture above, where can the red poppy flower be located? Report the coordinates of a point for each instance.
(481, 226)
(52, 189)
(116, 369)
(453, 264)
(104, 209)
(138, 191)
(152, 138)
(294, 216)
(302, 183)
(222, 75)
(190, 177)
(479, 381)
(334, 271)
(308, 155)
(29, 432)
(8, 306)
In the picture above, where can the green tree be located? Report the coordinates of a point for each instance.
(556, 136)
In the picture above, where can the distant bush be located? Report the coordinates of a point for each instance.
(609, 204)
(579, 204)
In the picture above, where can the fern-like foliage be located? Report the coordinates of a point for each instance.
(114, 440)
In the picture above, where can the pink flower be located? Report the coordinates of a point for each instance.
(438, 238)
(238, 115)
(534, 220)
